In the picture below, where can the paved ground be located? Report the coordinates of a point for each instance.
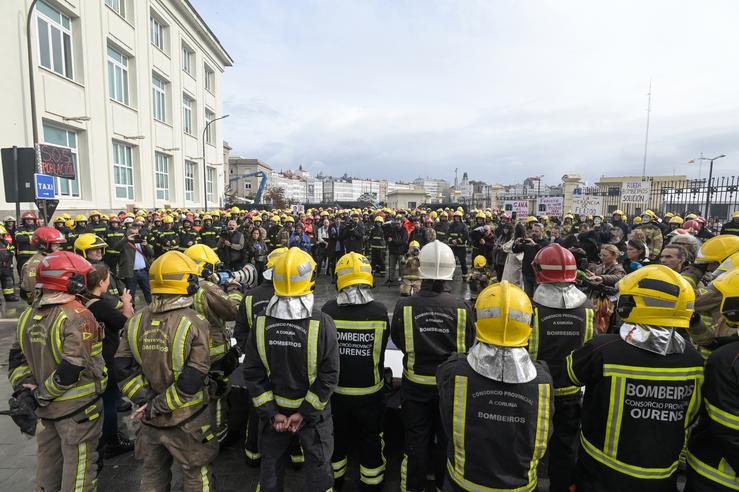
(17, 454)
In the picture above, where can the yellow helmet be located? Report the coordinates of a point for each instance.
(618, 212)
(728, 285)
(95, 212)
(569, 216)
(66, 216)
(69, 223)
(729, 264)
(735, 215)
(353, 269)
(272, 257)
(669, 215)
(167, 219)
(637, 220)
(60, 219)
(379, 219)
(88, 241)
(80, 218)
(275, 219)
(3, 230)
(173, 273)
(480, 215)
(235, 210)
(414, 244)
(717, 249)
(292, 273)
(480, 261)
(691, 217)
(656, 295)
(203, 255)
(289, 219)
(530, 219)
(433, 215)
(104, 217)
(503, 315)
(459, 213)
(676, 219)
(649, 213)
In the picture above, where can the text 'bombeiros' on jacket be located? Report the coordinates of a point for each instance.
(292, 365)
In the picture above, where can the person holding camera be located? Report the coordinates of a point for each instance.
(353, 235)
(231, 247)
(133, 262)
(529, 246)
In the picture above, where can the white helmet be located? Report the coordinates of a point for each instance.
(437, 261)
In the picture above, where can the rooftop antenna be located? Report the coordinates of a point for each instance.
(646, 136)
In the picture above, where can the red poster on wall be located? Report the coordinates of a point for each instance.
(56, 161)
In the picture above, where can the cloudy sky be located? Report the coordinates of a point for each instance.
(398, 89)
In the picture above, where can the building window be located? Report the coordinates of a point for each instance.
(210, 133)
(210, 79)
(210, 183)
(158, 98)
(161, 175)
(187, 112)
(157, 32)
(190, 173)
(55, 40)
(117, 76)
(188, 60)
(123, 170)
(64, 138)
(119, 6)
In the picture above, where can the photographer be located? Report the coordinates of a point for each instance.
(133, 262)
(529, 246)
(231, 247)
(352, 236)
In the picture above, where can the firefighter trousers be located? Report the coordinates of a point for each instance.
(564, 443)
(425, 442)
(218, 408)
(358, 423)
(461, 254)
(193, 444)
(316, 439)
(7, 281)
(378, 259)
(67, 456)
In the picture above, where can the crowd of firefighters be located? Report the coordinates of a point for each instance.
(608, 345)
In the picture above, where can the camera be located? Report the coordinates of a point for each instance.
(137, 238)
(247, 276)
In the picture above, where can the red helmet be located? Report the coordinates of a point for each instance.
(29, 215)
(554, 263)
(43, 237)
(692, 224)
(62, 271)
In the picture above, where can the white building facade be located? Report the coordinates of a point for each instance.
(128, 86)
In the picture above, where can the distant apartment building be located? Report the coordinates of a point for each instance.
(128, 87)
(437, 189)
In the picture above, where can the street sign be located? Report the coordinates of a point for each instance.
(636, 192)
(45, 189)
(47, 208)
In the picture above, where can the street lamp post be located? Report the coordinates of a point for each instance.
(205, 161)
(32, 84)
(710, 177)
